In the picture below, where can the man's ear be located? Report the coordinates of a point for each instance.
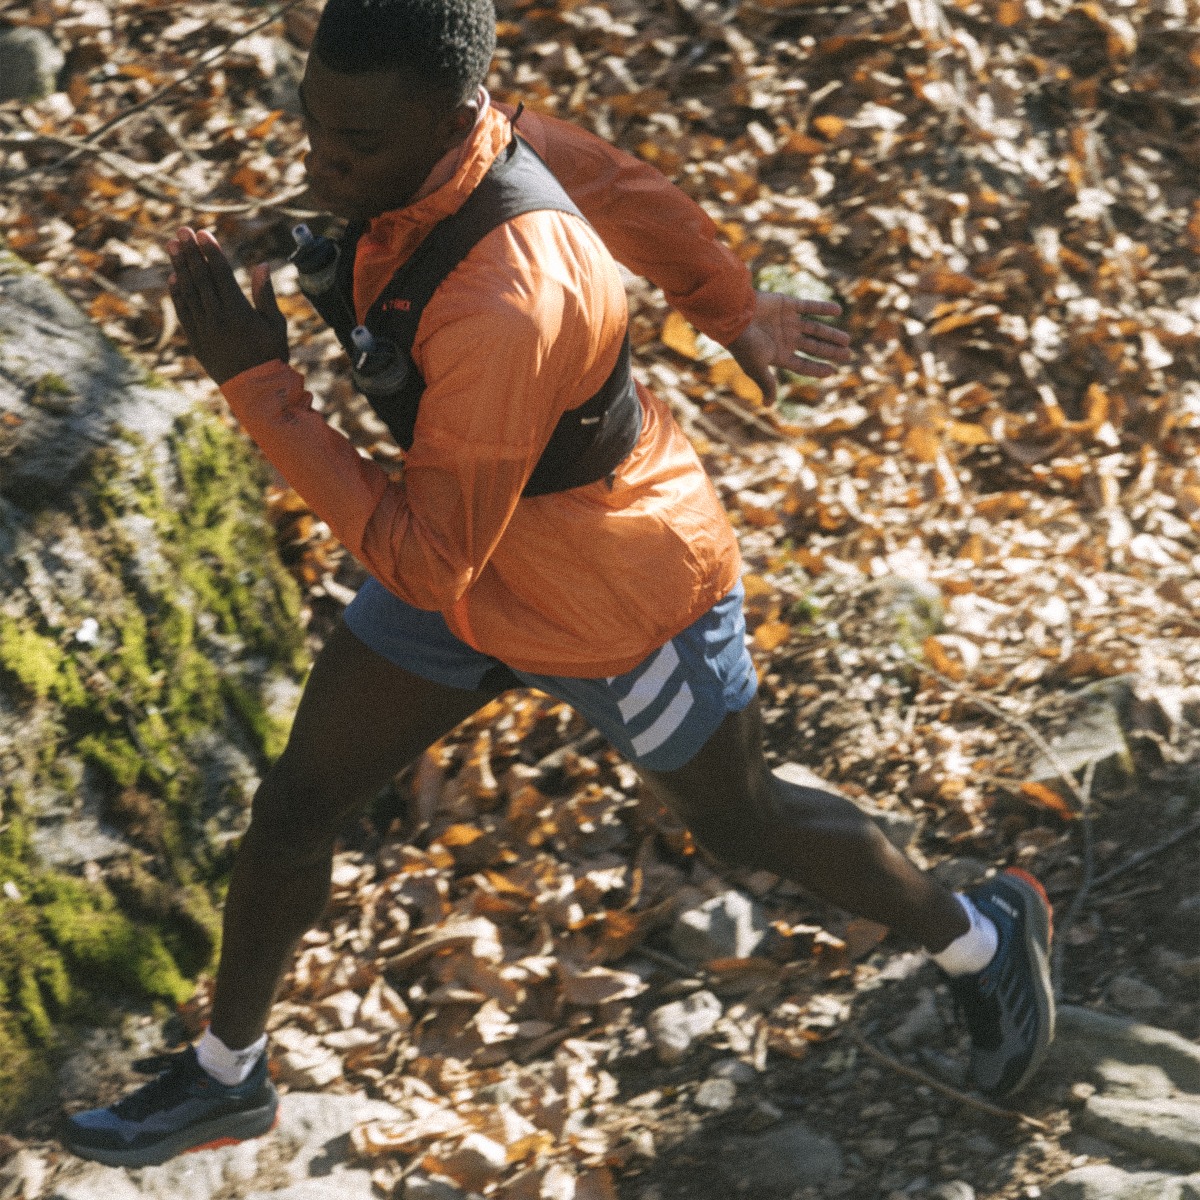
(461, 120)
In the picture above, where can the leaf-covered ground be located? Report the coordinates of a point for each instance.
(984, 535)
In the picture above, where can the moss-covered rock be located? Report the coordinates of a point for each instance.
(147, 634)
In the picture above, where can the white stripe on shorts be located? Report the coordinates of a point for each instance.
(670, 720)
(650, 683)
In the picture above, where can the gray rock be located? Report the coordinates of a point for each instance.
(1103, 1182)
(22, 1177)
(924, 1127)
(1133, 1082)
(953, 1189)
(676, 1027)
(1086, 1039)
(717, 1095)
(1133, 995)
(900, 828)
(345, 1185)
(727, 926)
(1095, 735)
(919, 1024)
(778, 1162)
(29, 64)
(314, 1129)
(741, 1073)
(1167, 1131)
(958, 874)
(98, 1183)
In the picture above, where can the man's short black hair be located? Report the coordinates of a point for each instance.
(444, 46)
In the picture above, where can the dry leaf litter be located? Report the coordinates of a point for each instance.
(988, 526)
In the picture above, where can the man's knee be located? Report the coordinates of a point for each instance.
(295, 816)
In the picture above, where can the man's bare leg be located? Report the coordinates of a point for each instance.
(745, 816)
(360, 721)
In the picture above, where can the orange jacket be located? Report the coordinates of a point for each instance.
(582, 583)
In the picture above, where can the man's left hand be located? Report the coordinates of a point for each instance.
(780, 338)
(225, 331)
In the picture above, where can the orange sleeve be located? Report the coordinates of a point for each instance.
(504, 354)
(648, 224)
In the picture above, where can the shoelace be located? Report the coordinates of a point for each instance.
(180, 1068)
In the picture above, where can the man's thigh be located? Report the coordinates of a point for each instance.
(362, 719)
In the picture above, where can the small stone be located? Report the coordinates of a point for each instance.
(982, 1145)
(727, 926)
(29, 64)
(717, 1095)
(741, 1073)
(921, 1023)
(762, 1116)
(1134, 995)
(877, 1147)
(787, 1157)
(676, 1027)
(953, 1189)
(924, 1127)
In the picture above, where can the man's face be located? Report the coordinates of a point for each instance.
(371, 145)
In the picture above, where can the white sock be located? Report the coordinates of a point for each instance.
(227, 1066)
(974, 949)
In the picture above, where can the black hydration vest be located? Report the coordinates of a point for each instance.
(589, 441)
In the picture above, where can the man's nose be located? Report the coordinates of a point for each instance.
(322, 162)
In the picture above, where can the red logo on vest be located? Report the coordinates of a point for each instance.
(397, 305)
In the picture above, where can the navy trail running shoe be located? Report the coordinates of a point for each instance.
(184, 1108)
(1009, 1005)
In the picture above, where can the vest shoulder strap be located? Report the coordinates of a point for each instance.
(517, 183)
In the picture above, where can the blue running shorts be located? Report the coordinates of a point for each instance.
(657, 716)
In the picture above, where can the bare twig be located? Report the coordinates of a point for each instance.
(136, 173)
(1136, 860)
(1085, 886)
(937, 1085)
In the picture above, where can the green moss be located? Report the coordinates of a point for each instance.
(178, 651)
(270, 733)
(39, 664)
(114, 755)
(95, 937)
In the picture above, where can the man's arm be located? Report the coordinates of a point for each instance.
(658, 232)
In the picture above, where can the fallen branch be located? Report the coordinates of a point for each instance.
(945, 1089)
(1136, 860)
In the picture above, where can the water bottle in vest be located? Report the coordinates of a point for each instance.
(315, 259)
(379, 367)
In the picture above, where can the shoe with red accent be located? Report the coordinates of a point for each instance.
(183, 1109)
(1009, 1005)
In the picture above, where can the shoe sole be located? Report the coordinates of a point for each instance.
(227, 1130)
(1039, 927)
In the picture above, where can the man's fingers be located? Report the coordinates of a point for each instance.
(262, 290)
(818, 308)
(824, 333)
(220, 273)
(812, 367)
(825, 350)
